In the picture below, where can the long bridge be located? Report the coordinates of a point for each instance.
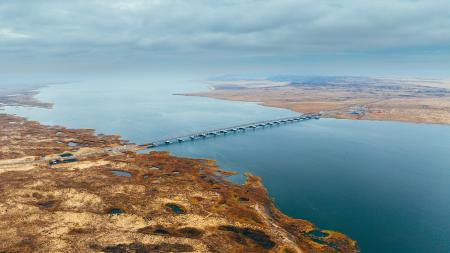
(230, 130)
(69, 157)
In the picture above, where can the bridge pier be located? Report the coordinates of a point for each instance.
(235, 129)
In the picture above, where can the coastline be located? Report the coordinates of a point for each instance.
(252, 218)
(324, 115)
(22, 96)
(383, 104)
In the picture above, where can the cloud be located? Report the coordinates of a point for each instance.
(8, 34)
(224, 27)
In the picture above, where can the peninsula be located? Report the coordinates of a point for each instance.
(395, 99)
(70, 190)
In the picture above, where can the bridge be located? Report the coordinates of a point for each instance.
(230, 130)
(69, 157)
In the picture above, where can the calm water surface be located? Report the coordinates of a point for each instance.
(385, 184)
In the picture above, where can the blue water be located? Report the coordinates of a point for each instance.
(141, 110)
(121, 173)
(385, 184)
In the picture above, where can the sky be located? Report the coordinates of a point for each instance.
(345, 37)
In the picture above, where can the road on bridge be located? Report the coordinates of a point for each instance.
(232, 129)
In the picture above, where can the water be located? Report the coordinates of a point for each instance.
(317, 233)
(115, 211)
(176, 209)
(385, 184)
(72, 144)
(142, 110)
(121, 173)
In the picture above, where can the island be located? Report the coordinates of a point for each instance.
(71, 190)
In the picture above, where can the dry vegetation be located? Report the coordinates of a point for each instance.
(20, 137)
(164, 204)
(409, 100)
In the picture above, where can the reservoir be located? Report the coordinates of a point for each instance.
(385, 184)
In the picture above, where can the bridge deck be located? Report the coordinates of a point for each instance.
(232, 129)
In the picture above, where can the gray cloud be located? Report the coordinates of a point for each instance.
(227, 27)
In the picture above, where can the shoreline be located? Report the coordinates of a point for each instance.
(253, 217)
(324, 116)
(400, 103)
(22, 96)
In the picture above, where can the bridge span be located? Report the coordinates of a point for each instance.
(230, 130)
(73, 157)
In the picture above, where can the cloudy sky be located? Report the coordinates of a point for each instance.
(383, 37)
